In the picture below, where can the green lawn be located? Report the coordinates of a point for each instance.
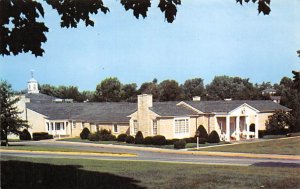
(20, 172)
(51, 148)
(188, 145)
(288, 146)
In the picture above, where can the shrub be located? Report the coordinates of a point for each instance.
(202, 132)
(107, 137)
(279, 123)
(121, 137)
(180, 144)
(159, 140)
(202, 140)
(84, 133)
(213, 137)
(171, 141)
(104, 132)
(262, 133)
(190, 140)
(148, 140)
(139, 138)
(129, 139)
(25, 135)
(93, 136)
(41, 136)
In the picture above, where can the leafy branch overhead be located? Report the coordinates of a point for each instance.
(21, 30)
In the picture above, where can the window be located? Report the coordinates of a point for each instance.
(115, 128)
(135, 126)
(57, 126)
(74, 124)
(181, 126)
(48, 126)
(63, 126)
(52, 126)
(154, 127)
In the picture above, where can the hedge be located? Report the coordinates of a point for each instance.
(159, 140)
(121, 137)
(129, 139)
(41, 136)
(139, 138)
(180, 144)
(85, 133)
(25, 135)
(213, 137)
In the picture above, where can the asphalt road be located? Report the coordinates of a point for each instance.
(148, 155)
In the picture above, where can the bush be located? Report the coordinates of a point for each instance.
(41, 136)
(262, 133)
(148, 140)
(121, 137)
(84, 133)
(107, 137)
(25, 135)
(139, 138)
(190, 140)
(180, 144)
(202, 132)
(93, 136)
(213, 137)
(129, 139)
(202, 140)
(159, 140)
(104, 132)
(171, 141)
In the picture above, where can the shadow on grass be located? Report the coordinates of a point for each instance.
(276, 164)
(21, 174)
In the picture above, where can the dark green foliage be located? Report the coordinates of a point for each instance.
(262, 133)
(202, 132)
(169, 90)
(25, 135)
(159, 140)
(121, 137)
(190, 140)
(180, 144)
(213, 137)
(202, 140)
(148, 140)
(93, 136)
(109, 90)
(139, 138)
(193, 87)
(129, 139)
(102, 135)
(279, 123)
(10, 121)
(41, 136)
(85, 133)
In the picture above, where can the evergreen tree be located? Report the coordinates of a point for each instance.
(11, 123)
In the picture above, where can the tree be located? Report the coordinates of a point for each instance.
(108, 90)
(193, 87)
(279, 123)
(11, 123)
(129, 92)
(20, 32)
(150, 88)
(169, 90)
(231, 87)
(202, 133)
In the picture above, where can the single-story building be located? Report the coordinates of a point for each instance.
(231, 119)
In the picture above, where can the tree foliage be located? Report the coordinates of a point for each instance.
(193, 87)
(169, 90)
(279, 123)
(22, 31)
(11, 123)
(109, 90)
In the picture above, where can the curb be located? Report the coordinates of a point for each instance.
(74, 153)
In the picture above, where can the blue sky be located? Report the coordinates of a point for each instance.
(208, 38)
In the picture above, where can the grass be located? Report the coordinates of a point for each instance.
(52, 149)
(188, 145)
(18, 172)
(287, 146)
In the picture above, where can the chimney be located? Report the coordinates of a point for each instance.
(145, 101)
(196, 98)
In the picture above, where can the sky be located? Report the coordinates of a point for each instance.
(207, 39)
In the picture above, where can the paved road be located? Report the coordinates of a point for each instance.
(148, 155)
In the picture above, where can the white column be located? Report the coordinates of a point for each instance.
(247, 125)
(256, 126)
(54, 127)
(227, 128)
(65, 127)
(237, 128)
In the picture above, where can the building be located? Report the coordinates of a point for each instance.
(232, 119)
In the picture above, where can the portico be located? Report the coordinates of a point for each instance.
(235, 125)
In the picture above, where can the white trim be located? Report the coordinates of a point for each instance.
(113, 128)
(189, 106)
(245, 104)
(181, 135)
